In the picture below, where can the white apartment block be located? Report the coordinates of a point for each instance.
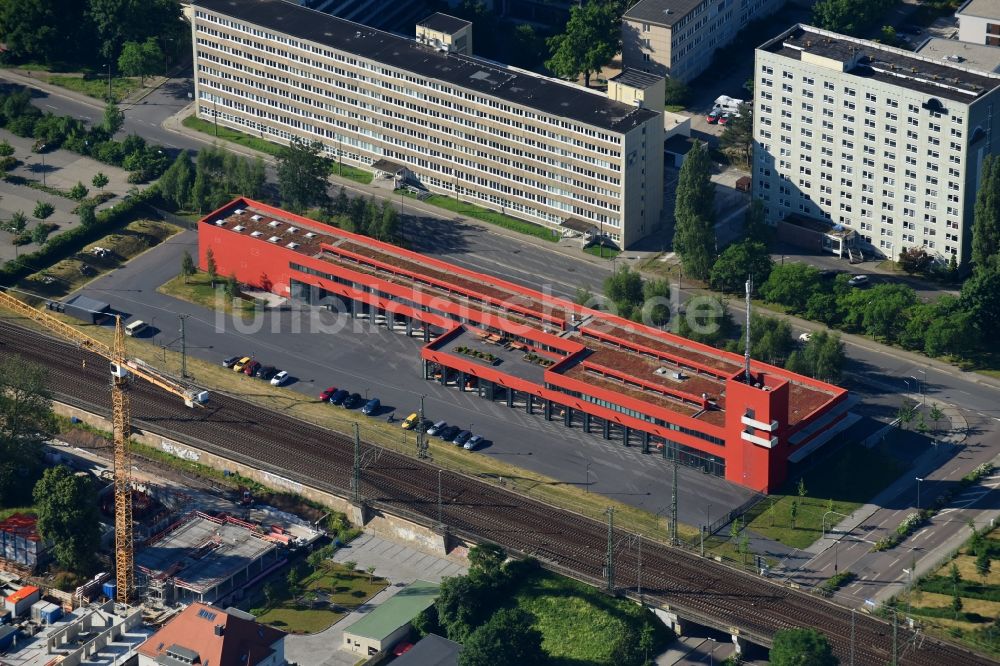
(533, 147)
(979, 22)
(677, 38)
(875, 139)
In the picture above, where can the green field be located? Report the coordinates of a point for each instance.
(605, 253)
(353, 173)
(198, 289)
(850, 479)
(329, 593)
(499, 219)
(226, 134)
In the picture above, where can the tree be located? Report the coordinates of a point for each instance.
(528, 49)
(152, 57)
(6, 150)
(956, 604)
(302, 175)
(850, 17)
(462, 605)
(935, 414)
(915, 260)
(884, 309)
(955, 576)
(824, 356)
(270, 592)
(210, 266)
(294, 581)
(591, 39)
(736, 140)
(508, 637)
(26, 422)
(78, 191)
(131, 62)
(981, 299)
(739, 261)
(100, 181)
(486, 560)
(906, 413)
(87, 215)
(694, 214)
(68, 516)
(426, 622)
(983, 563)
(624, 289)
(199, 192)
(647, 641)
(676, 93)
(755, 226)
(232, 287)
(584, 296)
(793, 512)
(388, 227)
(771, 339)
(342, 204)
(986, 214)
(350, 565)
(801, 647)
(43, 209)
(175, 183)
(800, 489)
(113, 120)
(657, 307)
(40, 233)
(791, 285)
(889, 35)
(371, 573)
(187, 265)
(18, 222)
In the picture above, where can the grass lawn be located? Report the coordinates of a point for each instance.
(69, 274)
(579, 623)
(499, 219)
(97, 87)
(608, 253)
(198, 289)
(850, 478)
(354, 173)
(226, 134)
(333, 586)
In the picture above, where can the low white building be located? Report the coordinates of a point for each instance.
(979, 22)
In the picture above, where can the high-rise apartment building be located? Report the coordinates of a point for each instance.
(979, 22)
(865, 137)
(678, 38)
(527, 145)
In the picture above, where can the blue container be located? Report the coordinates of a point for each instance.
(52, 614)
(109, 589)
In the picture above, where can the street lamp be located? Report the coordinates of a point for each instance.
(586, 488)
(919, 480)
(107, 66)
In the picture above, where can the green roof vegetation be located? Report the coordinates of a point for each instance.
(395, 611)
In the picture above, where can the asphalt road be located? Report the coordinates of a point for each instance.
(387, 365)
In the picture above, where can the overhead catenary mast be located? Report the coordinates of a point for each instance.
(746, 353)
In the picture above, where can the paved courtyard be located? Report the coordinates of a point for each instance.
(398, 564)
(61, 169)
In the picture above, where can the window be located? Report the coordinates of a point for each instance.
(645, 27)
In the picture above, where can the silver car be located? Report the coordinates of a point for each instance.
(437, 427)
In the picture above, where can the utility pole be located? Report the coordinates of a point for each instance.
(184, 372)
(852, 636)
(638, 575)
(610, 557)
(440, 519)
(421, 442)
(895, 649)
(703, 541)
(356, 471)
(673, 503)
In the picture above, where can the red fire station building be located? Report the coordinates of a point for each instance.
(591, 369)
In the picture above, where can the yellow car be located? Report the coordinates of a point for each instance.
(241, 364)
(411, 421)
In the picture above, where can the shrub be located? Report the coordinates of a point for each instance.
(43, 209)
(7, 163)
(78, 191)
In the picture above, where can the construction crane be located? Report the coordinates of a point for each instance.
(121, 370)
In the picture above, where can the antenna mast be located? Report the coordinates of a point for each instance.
(746, 353)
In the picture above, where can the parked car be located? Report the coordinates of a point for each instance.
(371, 407)
(474, 443)
(410, 421)
(726, 117)
(461, 438)
(805, 337)
(327, 394)
(713, 116)
(859, 281)
(448, 433)
(339, 396)
(251, 369)
(437, 428)
(230, 361)
(262, 372)
(241, 364)
(424, 425)
(280, 378)
(352, 401)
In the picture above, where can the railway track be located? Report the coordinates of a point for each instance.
(696, 587)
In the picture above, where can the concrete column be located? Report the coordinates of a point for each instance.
(427, 332)
(547, 409)
(353, 308)
(645, 442)
(605, 429)
(444, 375)
(527, 403)
(586, 422)
(461, 381)
(409, 326)
(626, 431)
(423, 368)
(487, 388)
(568, 417)
(510, 397)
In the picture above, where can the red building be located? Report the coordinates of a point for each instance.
(589, 368)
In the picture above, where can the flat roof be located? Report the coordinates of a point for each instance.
(642, 360)
(636, 78)
(871, 60)
(431, 650)
(87, 303)
(199, 551)
(661, 12)
(981, 8)
(976, 56)
(550, 96)
(444, 23)
(395, 611)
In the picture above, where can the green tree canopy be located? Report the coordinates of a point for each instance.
(657, 305)
(68, 517)
(850, 17)
(100, 181)
(791, 285)
(592, 38)
(981, 299)
(694, 214)
(885, 307)
(823, 356)
(26, 421)
(486, 559)
(624, 289)
(801, 647)
(508, 637)
(302, 175)
(986, 215)
(736, 140)
(738, 262)
(113, 118)
(462, 605)
(770, 341)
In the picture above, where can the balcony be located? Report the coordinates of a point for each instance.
(759, 441)
(759, 425)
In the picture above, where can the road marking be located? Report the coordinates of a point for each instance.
(893, 563)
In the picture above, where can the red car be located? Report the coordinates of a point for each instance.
(713, 117)
(724, 120)
(325, 395)
(401, 649)
(251, 368)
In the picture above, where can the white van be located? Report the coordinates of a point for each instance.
(136, 327)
